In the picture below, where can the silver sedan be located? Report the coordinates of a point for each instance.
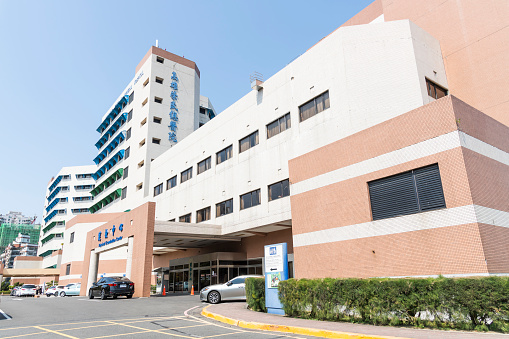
(234, 289)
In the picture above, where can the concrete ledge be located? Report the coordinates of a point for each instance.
(290, 329)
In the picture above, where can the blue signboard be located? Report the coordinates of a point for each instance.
(106, 232)
(276, 270)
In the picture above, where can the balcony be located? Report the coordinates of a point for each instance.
(107, 182)
(107, 166)
(111, 146)
(107, 200)
(113, 113)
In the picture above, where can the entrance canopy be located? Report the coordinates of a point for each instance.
(173, 236)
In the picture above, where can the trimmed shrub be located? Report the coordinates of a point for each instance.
(255, 294)
(468, 303)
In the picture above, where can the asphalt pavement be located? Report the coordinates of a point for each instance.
(177, 316)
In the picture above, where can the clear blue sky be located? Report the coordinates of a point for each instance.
(63, 63)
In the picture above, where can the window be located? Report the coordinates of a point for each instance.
(66, 177)
(128, 135)
(314, 106)
(68, 269)
(71, 240)
(84, 176)
(186, 175)
(200, 124)
(158, 189)
(141, 163)
(225, 207)
(126, 172)
(64, 188)
(156, 141)
(78, 199)
(410, 192)
(203, 214)
(139, 186)
(63, 200)
(129, 115)
(145, 83)
(279, 125)
(131, 97)
(185, 218)
(203, 111)
(144, 102)
(79, 210)
(172, 182)
(83, 187)
(127, 152)
(124, 193)
(250, 141)
(157, 120)
(250, 199)
(160, 60)
(279, 190)
(143, 122)
(204, 165)
(172, 220)
(158, 100)
(435, 91)
(224, 155)
(159, 80)
(142, 143)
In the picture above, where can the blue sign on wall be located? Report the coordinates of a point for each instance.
(172, 136)
(276, 270)
(106, 232)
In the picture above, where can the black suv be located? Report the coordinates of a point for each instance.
(111, 287)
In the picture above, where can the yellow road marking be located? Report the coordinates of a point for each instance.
(23, 335)
(220, 335)
(56, 332)
(117, 335)
(109, 324)
(155, 331)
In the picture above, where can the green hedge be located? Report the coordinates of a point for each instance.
(467, 303)
(255, 294)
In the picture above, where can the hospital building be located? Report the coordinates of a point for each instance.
(381, 151)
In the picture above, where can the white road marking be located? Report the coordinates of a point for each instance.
(5, 315)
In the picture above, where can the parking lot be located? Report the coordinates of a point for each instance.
(80, 318)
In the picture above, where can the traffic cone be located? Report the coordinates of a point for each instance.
(164, 290)
(192, 290)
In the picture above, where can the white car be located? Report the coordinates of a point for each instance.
(234, 289)
(71, 289)
(26, 290)
(54, 291)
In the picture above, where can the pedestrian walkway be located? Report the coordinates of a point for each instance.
(236, 313)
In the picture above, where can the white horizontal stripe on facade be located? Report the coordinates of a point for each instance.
(420, 150)
(70, 276)
(415, 222)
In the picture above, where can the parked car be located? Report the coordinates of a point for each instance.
(14, 289)
(111, 287)
(26, 290)
(54, 291)
(234, 289)
(71, 289)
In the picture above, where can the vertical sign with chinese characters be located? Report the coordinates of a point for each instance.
(174, 118)
(276, 270)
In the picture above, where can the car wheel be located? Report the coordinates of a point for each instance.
(103, 294)
(62, 294)
(90, 294)
(129, 296)
(114, 296)
(214, 297)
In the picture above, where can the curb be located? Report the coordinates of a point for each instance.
(291, 329)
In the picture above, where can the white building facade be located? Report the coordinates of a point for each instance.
(67, 195)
